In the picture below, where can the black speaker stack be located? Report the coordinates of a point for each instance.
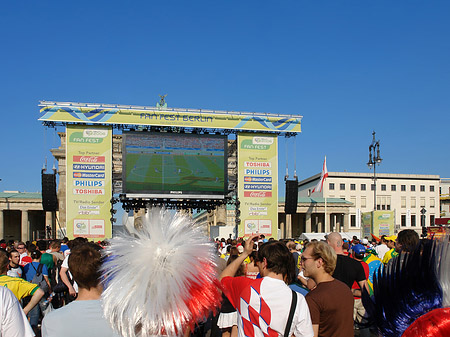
(49, 197)
(290, 205)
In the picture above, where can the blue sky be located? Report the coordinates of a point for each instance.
(348, 67)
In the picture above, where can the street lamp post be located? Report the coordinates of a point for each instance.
(374, 159)
(422, 222)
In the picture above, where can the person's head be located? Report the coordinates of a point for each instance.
(84, 264)
(407, 241)
(291, 245)
(274, 256)
(358, 251)
(383, 239)
(335, 241)
(55, 246)
(4, 261)
(345, 246)
(31, 247)
(234, 251)
(318, 258)
(14, 258)
(21, 248)
(36, 255)
(41, 245)
(390, 241)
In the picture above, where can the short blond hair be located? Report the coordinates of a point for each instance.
(326, 253)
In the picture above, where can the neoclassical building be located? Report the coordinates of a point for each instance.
(22, 217)
(405, 194)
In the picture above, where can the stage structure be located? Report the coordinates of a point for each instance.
(172, 157)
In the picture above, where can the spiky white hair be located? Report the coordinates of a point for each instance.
(159, 277)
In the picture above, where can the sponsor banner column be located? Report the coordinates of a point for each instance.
(258, 184)
(88, 185)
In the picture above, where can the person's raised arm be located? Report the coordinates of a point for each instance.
(233, 267)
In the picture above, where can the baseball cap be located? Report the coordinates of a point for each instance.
(365, 241)
(391, 238)
(359, 249)
(240, 249)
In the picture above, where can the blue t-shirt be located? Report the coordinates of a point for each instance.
(29, 271)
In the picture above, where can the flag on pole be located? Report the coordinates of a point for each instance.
(324, 174)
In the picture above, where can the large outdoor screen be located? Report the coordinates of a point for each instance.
(174, 165)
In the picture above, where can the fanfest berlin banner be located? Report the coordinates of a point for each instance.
(258, 184)
(88, 181)
(174, 118)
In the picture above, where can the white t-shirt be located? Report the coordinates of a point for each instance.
(381, 250)
(14, 272)
(65, 264)
(77, 319)
(13, 322)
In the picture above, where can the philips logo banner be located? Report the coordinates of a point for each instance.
(258, 191)
(89, 173)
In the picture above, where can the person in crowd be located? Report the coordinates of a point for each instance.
(55, 247)
(13, 322)
(84, 316)
(65, 272)
(331, 302)
(407, 241)
(347, 269)
(64, 246)
(227, 321)
(19, 286)
(251, 269)
(14, 269)
(277, 269)
(382, 248)
(30, 270)
(24, 258)
(390, 242)
(359, 312)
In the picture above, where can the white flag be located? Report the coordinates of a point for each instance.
(324, 174)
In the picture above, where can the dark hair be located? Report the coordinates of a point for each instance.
(4, 261)
(55, 244)
(279, 259)
(13, 251)
(240, 271)
(36, 254)
(84, 264)
(408, 239)
(41, 244)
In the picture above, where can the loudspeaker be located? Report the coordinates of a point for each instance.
(290, 204)
(49, 198)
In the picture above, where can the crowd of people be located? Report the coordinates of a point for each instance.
(270, 287)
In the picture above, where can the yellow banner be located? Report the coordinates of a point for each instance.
(258, 184)
(174, 118)
(88, 181)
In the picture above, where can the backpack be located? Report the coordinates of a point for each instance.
(38, 278)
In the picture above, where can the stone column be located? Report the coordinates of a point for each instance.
(308, 222)
(327, 223)
(49, 222)
(288, 226)
(25, 226)
(2, 226)
(346, 222)
(282, 230)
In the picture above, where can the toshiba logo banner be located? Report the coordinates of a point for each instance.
(89, 172)
(257, 184)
